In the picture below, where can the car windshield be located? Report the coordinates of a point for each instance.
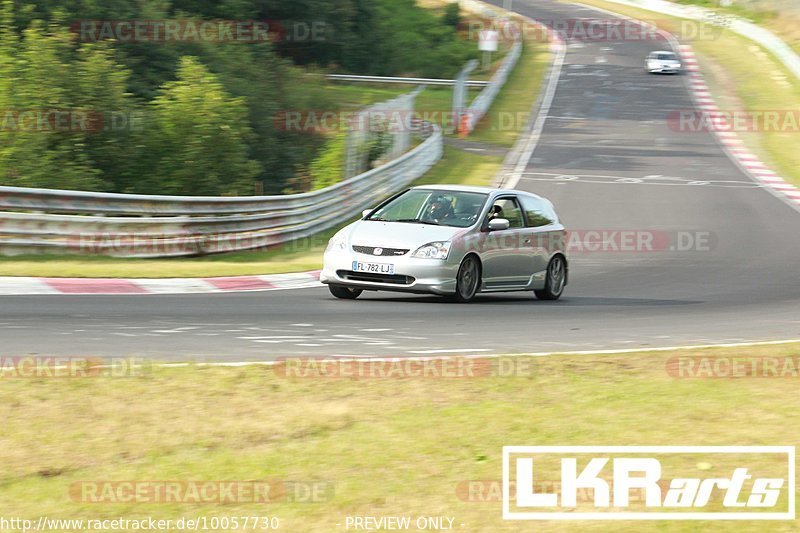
(665, 57)
(429, 206)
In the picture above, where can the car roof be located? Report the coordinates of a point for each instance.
(463, 188)
(473, 188)
(662, 52)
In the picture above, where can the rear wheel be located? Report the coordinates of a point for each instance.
(468, 280)
(556, 280)
(345, 293)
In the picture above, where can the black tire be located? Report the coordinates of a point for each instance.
(556, 280)
(468, 279)
(345, 293)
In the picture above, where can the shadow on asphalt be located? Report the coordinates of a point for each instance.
(525, 299)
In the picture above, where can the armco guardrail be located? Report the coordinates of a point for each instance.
(124, 225)
(481, 104)
(410, 81)
(762, 36)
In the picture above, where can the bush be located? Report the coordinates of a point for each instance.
(328, 168)
(205, 109)
(452, 15)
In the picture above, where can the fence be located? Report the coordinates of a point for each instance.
(405, 81)
(123, 225)
(481, 104)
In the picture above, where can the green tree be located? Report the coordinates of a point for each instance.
(328, 168)
(38, 149)
(452, 15)
(198, 135)
(113, 142)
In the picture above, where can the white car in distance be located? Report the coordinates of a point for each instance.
(663, 62)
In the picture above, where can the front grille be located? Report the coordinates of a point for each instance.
(385, 252)
(375, 278)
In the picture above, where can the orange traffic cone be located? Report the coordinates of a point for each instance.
(463, 129)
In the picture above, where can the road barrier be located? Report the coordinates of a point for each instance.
(409, 81)
(37, 221)
(126, 225)
(481, 104)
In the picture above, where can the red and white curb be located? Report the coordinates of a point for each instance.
(730, 139)
(86, 286)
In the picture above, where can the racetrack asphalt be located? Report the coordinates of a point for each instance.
(609, 161)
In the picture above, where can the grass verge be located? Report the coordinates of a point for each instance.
(743, 76)
(376, 455)
(778, 16)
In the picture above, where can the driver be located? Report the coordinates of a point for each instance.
(439, 208)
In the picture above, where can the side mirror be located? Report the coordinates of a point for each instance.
(499, 224)
(365, 212)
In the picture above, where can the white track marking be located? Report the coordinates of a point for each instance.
(465, 350)
(273, 337)
(25, 285)
(532, 140)
(667, 181)
(334, 357)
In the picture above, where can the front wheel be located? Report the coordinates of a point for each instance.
(556, 280)
(468, 280)
(345, 293)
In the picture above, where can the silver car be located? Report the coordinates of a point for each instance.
(455, 241)
(663, 62)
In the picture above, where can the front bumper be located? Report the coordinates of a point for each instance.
(664, 70)
(434, 276)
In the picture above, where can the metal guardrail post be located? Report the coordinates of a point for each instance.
(460, 93)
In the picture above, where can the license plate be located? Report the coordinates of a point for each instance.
(374, 268)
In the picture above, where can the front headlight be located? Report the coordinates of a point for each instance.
(338, 243)
(433, 250)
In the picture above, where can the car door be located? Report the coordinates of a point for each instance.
(543, 236)
(506, 265)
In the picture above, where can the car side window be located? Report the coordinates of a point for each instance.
(537, 212)
(509, 209)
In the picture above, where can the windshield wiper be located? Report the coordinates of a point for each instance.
(416, 221)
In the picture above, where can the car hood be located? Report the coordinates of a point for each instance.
(399, 234)
(669, 62)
